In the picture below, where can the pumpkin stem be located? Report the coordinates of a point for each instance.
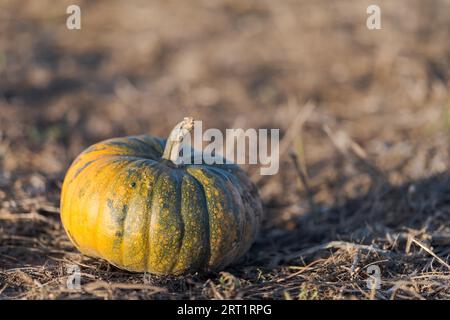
(175, 140)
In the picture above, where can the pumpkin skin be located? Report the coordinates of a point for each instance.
(122, 202)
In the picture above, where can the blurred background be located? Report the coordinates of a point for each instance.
(357, 109)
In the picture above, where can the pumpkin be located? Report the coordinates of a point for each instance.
(126, 201)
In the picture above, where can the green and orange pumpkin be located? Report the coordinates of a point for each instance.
(126, 201)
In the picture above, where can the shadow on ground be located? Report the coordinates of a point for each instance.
(298, 257)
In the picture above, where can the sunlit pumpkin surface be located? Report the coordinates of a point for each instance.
(122, 202)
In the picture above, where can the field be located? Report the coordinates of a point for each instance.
(364, 119)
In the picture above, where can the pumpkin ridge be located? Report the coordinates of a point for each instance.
(137, 157)
(153, 212)
(227, 184)
(157, 143)
(206, 218)
(107, 161)
(85, 167)
(147, 225)
(134, 174)
(125, 205)
(99, 146)
(237, 207)
(138, 145)
(117, 147)
(104, 204)
(69, 198)
(123, 174)
(178, 183)
(100, 149)
(251, 208)
(100, 208)
(173, 219)
(145, 147)
(221, 220)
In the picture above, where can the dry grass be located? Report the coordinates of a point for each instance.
(364, 117)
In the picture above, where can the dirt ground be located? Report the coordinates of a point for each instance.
(364, 118)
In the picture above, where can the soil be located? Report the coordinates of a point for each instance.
(364, 117)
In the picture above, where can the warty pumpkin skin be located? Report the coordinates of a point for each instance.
(121, 201)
